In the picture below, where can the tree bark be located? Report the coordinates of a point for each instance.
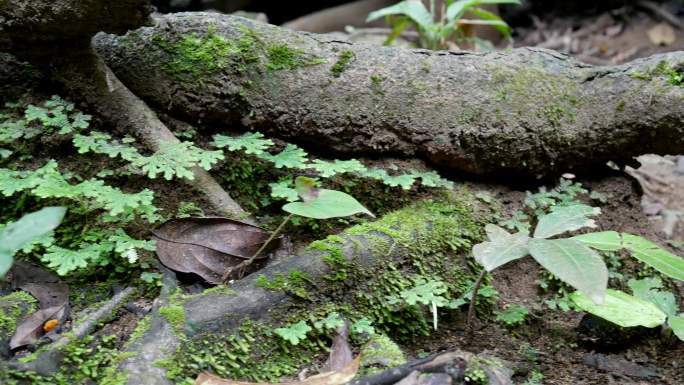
(527, 112)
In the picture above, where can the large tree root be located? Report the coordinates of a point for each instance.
(527, 111)
(391, 238)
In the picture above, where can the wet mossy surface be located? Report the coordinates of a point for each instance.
(433, 237)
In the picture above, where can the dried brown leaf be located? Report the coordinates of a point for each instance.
(53, 300)
(208, 247)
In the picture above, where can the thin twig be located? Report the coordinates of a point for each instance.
(243, 265)
(471, 307)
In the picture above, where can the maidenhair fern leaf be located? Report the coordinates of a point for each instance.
(328, 169)
(291, 157)
(177, 159)
(251, 143)
(282, 189)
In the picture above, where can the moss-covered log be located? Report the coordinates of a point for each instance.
(525, 111)
(352, 274)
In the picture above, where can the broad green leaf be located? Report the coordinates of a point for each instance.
(501, 248)
(677, 325)
(622, 309)
(456, 10)
(328, 204)
(654, 256)
(6, 259)
(30, 226)
(414, 9)
(647, 289)
(567, 218)
(294, 333)
(489, 18)
(4, 153)
(573, 263)
(603, 240)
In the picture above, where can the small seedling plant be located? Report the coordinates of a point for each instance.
(316, 203)
(435, 33)
(575, 260)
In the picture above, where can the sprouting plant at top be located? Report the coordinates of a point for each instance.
(573, 260)
(436, 33)
(316, 203)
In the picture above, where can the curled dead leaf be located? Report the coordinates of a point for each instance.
(208, 247)
(53, 301)
(339, 377)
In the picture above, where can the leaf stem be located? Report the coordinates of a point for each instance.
(242, 266)
(471, 307)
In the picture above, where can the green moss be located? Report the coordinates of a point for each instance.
(376, 84)
(381, 352)
(284, 57)
(515, 91)
(663, 69)
(294, 283)
(197, 55)
(344, 60)
(140, 329)
(174, 315)
(13, 308)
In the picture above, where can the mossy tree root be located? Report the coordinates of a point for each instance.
(527, 111)
(332, 266)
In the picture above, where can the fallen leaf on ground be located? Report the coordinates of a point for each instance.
(340, 377)
(208, 247)
(662, 34)
(53, 301)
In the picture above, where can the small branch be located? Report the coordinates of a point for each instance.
(242, 266)
(471, 307)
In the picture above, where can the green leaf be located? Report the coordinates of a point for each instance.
(306, 188)
(426, 292)
(332, 321)
(677, 325)
(294, 333)
(328, 169)
(501, 248)
(252, 143)
(457, 9)
(291, 157)
(415, 10)
(489, 18)
(513, 315)
(5, 153)
(30, 226)
(573, 263)
(567, 218)
(622, 309)
(328, 204)
(603, 240)
(654, 256)
(433, 179)
(362, 326)
(282, 189)
(65, 261)
(646, 289)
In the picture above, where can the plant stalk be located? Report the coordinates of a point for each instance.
(471, 307)
(242, 266)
